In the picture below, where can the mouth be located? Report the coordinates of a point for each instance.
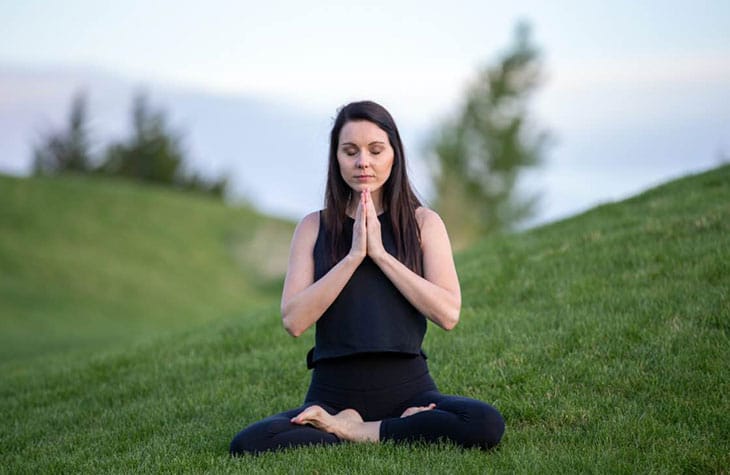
(363, 177)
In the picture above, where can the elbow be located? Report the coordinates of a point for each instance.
(449, 323)
(446, 320)
(451, 317)
(291, 328)
(289, 323)
(295, 319)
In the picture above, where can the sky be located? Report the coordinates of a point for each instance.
(638, 87)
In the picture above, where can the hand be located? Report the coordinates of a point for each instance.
(374, 237)
(359, 231)
(340, 424)
(415, 410)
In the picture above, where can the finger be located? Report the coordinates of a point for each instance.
(367, 211)
(370, 204)
(358, 210)
(360, 220)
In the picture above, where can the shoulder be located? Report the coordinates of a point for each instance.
(310, 220)
(308, 227)
(428, 218)
(432, 228)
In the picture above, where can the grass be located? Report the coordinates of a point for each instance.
(88, 264)
(603, 339)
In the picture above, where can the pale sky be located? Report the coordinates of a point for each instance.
(414, 54)
(609, 66)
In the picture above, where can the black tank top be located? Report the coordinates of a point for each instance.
(370, 315)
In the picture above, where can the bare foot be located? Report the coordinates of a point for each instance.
(346, 424)
(337, 424)
(350, 415)
(416, 409)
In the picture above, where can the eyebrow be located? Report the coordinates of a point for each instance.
(376, 142)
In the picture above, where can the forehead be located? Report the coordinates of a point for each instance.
(362, 132)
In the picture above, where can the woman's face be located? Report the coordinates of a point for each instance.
(365, 156)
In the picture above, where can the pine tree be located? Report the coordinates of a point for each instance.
(66, 151)
(481, 152)
(152, 152)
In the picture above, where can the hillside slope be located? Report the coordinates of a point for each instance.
(609, 331)
(603, 339)
(91, 263)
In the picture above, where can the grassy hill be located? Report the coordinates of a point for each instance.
(91, 264)
(603, 339)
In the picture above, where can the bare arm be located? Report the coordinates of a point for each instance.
(437, 294)
(303, 301)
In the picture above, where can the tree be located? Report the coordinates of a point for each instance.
(66, 151)
(154, 153)
(481, 152)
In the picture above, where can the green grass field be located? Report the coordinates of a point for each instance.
(91, 264)
(603, 339)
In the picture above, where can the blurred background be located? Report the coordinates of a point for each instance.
(629, 93)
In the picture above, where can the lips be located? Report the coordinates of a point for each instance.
(364, 177)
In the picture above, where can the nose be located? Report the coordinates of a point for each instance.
(362, 161)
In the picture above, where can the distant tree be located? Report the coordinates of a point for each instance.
(480, 153)
(194, 182)
(67, 150)
(154, 153)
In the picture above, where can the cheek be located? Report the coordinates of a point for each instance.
(388, 166)
(341, 163)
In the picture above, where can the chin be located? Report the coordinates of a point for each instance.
(361, 186)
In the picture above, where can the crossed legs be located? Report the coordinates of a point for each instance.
(429, 417)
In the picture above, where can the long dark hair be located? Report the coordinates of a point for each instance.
(398, 196)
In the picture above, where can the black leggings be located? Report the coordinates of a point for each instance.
(379, 387)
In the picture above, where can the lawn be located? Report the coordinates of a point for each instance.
(92, 264)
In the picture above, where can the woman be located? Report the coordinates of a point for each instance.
(368, 270)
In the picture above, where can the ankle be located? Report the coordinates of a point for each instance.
(365, 431)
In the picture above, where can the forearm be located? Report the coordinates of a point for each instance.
(438, 304)
(302, 310)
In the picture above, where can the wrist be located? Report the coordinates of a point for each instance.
(379, 256)
(355, 257)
